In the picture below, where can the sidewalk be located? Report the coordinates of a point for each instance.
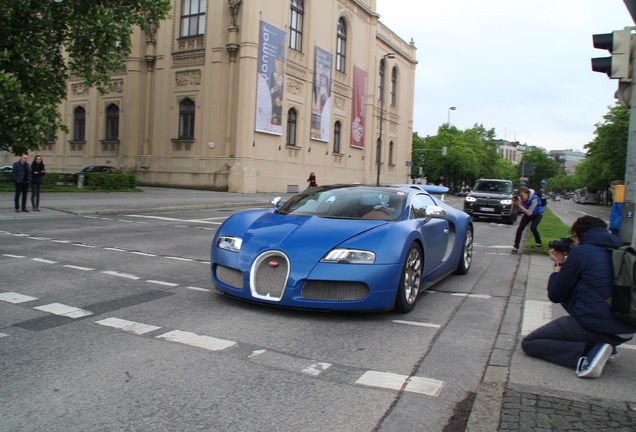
(532, 395)
(518, 393)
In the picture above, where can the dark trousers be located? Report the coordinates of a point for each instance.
(523, 223)
(35, 194)
(563, 341)
(21, 189)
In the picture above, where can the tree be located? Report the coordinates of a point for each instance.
(44, 42)
(544, 166)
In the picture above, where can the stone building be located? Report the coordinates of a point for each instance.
(251, 96)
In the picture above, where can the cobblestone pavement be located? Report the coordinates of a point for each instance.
(529, 412)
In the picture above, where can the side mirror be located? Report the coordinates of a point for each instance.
(434, 211)
(276, 202)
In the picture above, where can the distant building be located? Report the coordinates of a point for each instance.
(567, 159)
(510, 150)
(250, 96)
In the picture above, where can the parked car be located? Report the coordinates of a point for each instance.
(342, 247)
(99, 169)
(492, 198)
(6, 168)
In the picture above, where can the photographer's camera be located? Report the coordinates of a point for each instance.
(564, 244)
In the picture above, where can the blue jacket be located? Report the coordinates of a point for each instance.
(615, 216)
(590, 260)
(534, 204)
(21, 172)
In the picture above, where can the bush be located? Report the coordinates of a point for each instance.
(100, 181)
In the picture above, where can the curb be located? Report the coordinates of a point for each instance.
(489, 398)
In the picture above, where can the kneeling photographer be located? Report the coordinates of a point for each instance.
(586, 338)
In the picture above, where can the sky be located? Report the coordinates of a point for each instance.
(521, 67)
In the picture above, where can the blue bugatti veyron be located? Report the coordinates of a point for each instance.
(342, 247)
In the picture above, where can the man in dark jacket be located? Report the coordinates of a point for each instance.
(21, 173)
(587, 337)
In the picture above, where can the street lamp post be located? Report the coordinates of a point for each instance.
(379, 155)
(449, 110)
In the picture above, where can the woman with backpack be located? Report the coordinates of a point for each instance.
(530, 204)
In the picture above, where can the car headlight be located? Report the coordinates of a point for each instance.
(349, 256)
(232, 244)
(470, 199)
(506, 202)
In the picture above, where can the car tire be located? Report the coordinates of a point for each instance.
(410, 280)
(466, 257)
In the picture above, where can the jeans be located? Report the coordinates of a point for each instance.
(525, 220)
(21, 189)
(563, 341)
(35, 194)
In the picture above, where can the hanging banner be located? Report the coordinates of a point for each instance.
(358, 107)
(321, 96)
(269, 97)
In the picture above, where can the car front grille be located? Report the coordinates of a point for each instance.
(334, 290)
(269, 275)
(229, 276)
(488, 202)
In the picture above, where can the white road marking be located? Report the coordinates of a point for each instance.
(480, 296)
(198, 289)
(196, 340)
(178, 258)
(535, 314)
(256, 353)
(124, 275)
(425, 386)
(84, 245)
(61, 241)
(78, 267)
(316, 368)
(144, 254)
(128, 326)
(39, 238)
(393, 381)
(164, 218)
(417, 324)
(44, 261)
(64, 310)
(14, 256)
(114, 249)
(156, 282)
(11, 297)
(3, 335)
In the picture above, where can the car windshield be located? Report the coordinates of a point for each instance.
(493, 186)
(348, 203)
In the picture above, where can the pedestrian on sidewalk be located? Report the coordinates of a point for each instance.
(21, 173)
(37, 172)
(312, 181)
(529, 203)
(586, 338)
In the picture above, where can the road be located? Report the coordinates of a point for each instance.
(111, 323)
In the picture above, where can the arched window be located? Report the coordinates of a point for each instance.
(381, 80)
(393, 85)
(112, 122)
(341, 45)
(296, 25)
(192, 18)
(186, 119)
(336, 137)
(290, 140)
(391, 148)
(79, 124)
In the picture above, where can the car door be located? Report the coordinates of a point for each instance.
(435, 232)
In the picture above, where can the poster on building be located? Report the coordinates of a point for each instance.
(269, 97)
(358, 107)
(321, 96)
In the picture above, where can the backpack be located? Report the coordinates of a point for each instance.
(623, 299)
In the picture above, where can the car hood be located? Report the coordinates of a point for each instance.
(304, 239)
(489, 194)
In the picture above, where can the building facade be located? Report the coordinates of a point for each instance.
(567, 159)
(251, 96)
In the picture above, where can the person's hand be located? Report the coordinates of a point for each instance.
(557, 256)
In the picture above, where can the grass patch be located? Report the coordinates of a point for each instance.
(550, 228)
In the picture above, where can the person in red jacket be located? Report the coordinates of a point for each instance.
(585, 338)
(312, 180)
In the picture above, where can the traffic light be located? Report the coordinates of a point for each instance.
(620, 44)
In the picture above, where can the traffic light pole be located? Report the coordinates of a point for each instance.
(628, 221)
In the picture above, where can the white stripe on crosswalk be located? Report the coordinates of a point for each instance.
(64, 310)
(196, 340)
(128, 326)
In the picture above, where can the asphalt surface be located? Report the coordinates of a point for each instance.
(517, 393)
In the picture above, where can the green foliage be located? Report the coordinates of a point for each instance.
(44, 42)
(544, 166)
(100, 181)
(550, 228)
